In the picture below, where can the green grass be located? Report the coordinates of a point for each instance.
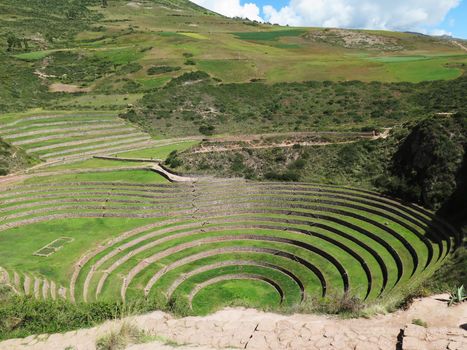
(270, 35)
(423, 70)
(397, 59)
(18, 245)
(229, 70)
(154, 83)
(120, 55)
(135, 176)
(356, 276)
(114, 101)
(176, 236)
(34, 56)
(254, 294)
(91, 164)
(161, 152)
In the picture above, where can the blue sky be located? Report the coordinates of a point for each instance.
(456, 21)
(436, 17)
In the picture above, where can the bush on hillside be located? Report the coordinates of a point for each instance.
(189, 77)
(172, 160)
(206, 129)
(155, 70)
(425, 168)
(288, 176)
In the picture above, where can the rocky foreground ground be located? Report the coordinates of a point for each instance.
(446, 328)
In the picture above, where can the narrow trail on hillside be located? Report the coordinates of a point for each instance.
(459, 44)
(206, 147)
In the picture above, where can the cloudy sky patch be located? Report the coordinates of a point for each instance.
(426, 16)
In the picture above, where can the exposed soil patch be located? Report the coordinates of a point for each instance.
(355, 39)
(68, 88)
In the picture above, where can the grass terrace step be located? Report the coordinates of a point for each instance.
(62, 135)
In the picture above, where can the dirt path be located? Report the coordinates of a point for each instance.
(59, 87)
(251, 329)
(293, 139)
(459, 44)
(292, 134)
(215, 149)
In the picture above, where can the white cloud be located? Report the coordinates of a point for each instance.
(416, 15)
(370, 14)
(439, 32)
(232, 8)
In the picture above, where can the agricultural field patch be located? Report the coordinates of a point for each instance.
(229, 70)
(270, 35)
(34, 56)
(195, 36)
(53, 247)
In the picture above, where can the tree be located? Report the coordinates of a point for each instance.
(12, 41)
(49, 37)
(105, 3)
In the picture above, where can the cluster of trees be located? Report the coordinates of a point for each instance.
(430, 166)
(14, 42)
(262, 107)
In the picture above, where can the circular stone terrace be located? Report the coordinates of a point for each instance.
(209, 243)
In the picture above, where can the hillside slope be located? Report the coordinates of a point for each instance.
(12, 159)
(133, 47)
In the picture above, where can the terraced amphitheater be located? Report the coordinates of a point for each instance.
(198, 245)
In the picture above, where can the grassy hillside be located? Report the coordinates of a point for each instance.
(134, 47)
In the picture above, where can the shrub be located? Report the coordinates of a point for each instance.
(189, 77)
(22, 316)
(155, 70)
(206, 129)
(419, 322)
(458, 296)
(130, 68)
(288, 176)
(298, 164)
(237, 164)
(172, 160)
(128, 334)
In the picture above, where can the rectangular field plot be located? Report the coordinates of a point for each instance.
(53, 247)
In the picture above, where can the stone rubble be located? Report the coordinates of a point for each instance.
(251, 329)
